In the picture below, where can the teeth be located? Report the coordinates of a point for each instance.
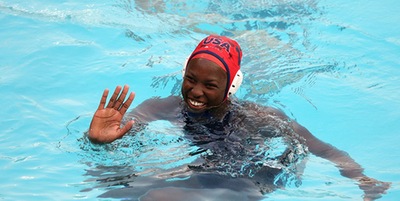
(195, 103)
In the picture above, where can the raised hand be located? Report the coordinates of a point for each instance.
(106, 123)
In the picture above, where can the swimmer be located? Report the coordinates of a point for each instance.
(210, 77)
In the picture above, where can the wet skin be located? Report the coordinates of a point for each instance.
(204, 85)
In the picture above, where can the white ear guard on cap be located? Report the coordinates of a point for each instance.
(184, 67)
(237, 81)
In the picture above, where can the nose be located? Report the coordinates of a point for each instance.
(197, 91)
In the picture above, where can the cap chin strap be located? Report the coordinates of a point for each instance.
(237, 80)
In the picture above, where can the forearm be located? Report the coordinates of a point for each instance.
(373, 189)
(346, 165)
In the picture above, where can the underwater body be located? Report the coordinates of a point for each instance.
(247, 152)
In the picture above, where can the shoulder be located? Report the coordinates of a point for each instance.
(258, 109)
(158, 101)
(157, 109)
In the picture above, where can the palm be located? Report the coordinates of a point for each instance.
(106, 122)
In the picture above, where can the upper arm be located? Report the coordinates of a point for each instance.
(315, 145)
(348, 167)
(156, 109)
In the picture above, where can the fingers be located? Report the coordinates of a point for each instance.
(120, 99)
(127, 103)
(373, 189)
(103, 99)
(114, 97)
(126, 128)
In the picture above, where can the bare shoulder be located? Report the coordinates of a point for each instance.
(264, 110)
(157, 109)
(157, 101)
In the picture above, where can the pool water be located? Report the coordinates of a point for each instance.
(331, 65)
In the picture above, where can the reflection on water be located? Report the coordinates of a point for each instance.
(273, 35)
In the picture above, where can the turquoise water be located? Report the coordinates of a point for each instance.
(331, 65)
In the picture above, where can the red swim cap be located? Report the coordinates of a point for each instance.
(226, 53)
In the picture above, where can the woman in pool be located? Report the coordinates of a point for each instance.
(215, 121)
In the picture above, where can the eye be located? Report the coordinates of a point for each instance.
(189, 78)
(211, 86)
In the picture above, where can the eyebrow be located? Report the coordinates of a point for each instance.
(213, 78)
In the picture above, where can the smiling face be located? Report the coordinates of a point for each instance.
(203, 85)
